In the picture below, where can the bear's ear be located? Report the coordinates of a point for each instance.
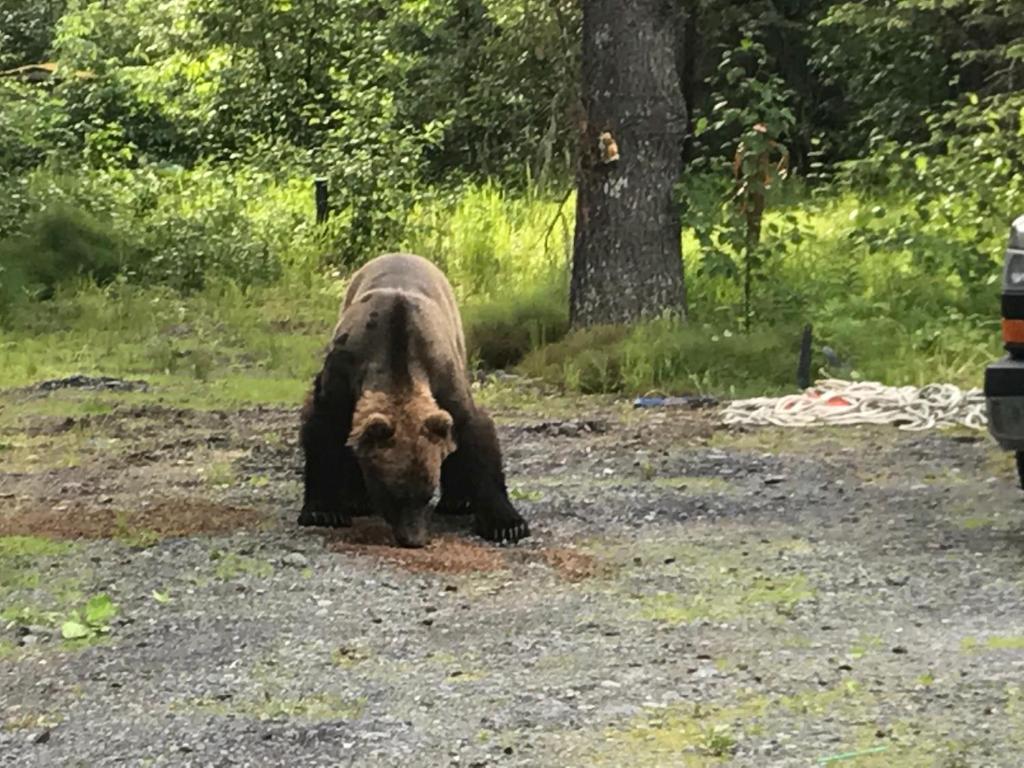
(438, 426)
(376, 429)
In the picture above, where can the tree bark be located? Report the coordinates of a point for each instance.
(627, 256)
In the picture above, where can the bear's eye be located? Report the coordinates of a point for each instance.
(438, 425)
(377, 429)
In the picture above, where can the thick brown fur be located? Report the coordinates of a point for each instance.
(391, 415)
(415, 451)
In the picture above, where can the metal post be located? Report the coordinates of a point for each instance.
(803, 369)
(320, 189)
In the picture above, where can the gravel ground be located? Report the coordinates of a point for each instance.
(691, 596)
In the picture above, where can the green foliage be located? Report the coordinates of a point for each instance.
(156, 195)
(91, 623)
(756, 110)
(752, 93)
(492, 243)
(666, 355)
(26, 30)
(892, 312)
(500, 332)
(58, 245)
(260, 345)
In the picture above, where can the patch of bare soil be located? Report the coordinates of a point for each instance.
(453, 554)
(162, 519)
(445, 554)
(570, 564)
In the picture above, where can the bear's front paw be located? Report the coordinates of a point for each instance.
(501, 523)
(452, 507)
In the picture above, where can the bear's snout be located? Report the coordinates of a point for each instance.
(412, 533)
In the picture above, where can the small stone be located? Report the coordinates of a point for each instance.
(899, 649)
(774, 479)
(897, 580)
(295, 560)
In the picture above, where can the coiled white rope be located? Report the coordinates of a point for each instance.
(837, 402)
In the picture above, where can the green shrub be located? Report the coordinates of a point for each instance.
(500, 332)
(58, 245)
(669, 356)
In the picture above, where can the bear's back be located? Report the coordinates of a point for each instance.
(410, 278)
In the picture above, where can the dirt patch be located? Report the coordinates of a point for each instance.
(79, 381)
(159, 520)
(450, 553)
(570, 564)
(445, 554)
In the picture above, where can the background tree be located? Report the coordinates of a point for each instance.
(627, 261)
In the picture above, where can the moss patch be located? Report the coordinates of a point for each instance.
(703, 734)
(739, 595)
(347, 657)
(315, 708)
(19, 719)
(993, 643)
(231, 565)
(756, 579)
(24, 453)
(28, 547)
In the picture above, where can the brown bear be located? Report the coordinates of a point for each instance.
(391, 415)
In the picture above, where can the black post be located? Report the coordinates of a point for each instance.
(803, 369)
(320, 187)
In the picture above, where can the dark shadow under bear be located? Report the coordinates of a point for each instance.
(391, 415)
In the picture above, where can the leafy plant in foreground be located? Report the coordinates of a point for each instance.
(91, 623)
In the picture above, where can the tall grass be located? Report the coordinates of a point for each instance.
(898, 311)
(492, 245)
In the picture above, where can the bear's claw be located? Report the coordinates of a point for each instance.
(335, 518)
(448, 508)
(506, 534)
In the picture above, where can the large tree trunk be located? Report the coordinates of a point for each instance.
(627, 260)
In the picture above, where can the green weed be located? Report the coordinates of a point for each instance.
(92, 622)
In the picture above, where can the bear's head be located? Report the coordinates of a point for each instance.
(400, 442)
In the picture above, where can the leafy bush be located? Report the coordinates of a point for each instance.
(184, 244)
(58, 245)
(500, 332)
(669, 356)
(181, 228)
